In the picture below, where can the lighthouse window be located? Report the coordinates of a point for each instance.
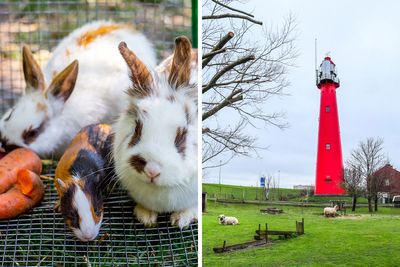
(327, 109)
(328, 146)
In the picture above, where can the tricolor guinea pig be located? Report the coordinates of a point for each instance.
(81, 177)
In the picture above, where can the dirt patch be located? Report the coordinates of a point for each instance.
(351, 217)
(367, 216)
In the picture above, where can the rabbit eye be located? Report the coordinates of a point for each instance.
(9, 115)
(137, 134)
(138, 163)
(180, 140)
(30, 134)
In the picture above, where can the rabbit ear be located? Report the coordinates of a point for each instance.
(32, 72)
(140, 75)
(180, 68)
(63, 84)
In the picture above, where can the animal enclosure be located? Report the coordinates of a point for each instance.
(42, 24)
(40, 237)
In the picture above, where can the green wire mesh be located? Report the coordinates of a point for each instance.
(40, 237)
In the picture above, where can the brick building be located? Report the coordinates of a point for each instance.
(391, 182)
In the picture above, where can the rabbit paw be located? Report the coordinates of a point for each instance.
(145, 216)
(183, 218)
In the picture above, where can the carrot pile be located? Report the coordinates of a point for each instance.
(20, 185)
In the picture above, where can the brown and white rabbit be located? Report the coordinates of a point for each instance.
(155, 147)
(61, 100)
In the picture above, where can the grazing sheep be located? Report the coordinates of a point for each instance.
(227, 220)
(331, 212)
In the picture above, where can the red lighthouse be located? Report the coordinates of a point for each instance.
(329, 156)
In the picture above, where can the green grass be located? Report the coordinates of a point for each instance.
(236, 192)
(247, 192)
(359, 239)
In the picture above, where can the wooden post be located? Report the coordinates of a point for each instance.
(223, 247)
(302, 230)
(195, 27)
(266, 233)
(204, 202)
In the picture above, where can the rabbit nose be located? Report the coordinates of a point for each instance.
(152, 170)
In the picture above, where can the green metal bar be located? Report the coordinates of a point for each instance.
(195, 25)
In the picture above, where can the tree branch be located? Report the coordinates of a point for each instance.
(219, 74)
(235, 16)
(218, 46)
(236, 81)
(232, 98)
(233, 9)
(227, 69)
(212, 54)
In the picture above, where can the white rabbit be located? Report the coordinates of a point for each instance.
(47, 117)
(155, 147)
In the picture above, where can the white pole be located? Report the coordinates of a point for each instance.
(219, 178)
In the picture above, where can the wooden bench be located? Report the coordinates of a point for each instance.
(271, 211)
(241, 246)
(261, 239)
(263, 234)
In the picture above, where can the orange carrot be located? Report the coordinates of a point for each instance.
(27, 192)
(13, 203)
(13, 162)
(30, 185)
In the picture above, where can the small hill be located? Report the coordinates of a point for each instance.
(235, 192)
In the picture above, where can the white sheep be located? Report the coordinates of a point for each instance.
(331, 212)
(227, 220)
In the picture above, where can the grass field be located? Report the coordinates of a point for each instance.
(257, 193)
(247, 192)
(359, 239)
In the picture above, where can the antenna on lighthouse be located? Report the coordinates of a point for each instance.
(315, 56)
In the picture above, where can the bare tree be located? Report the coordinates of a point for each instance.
(378, 182)
(367, 158)
(353, 183)
(240, 72)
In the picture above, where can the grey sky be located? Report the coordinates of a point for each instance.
(363, 39)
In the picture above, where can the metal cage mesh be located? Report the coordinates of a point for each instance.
(40, 238)
(42, 24)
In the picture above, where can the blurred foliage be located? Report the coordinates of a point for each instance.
(57, 18)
